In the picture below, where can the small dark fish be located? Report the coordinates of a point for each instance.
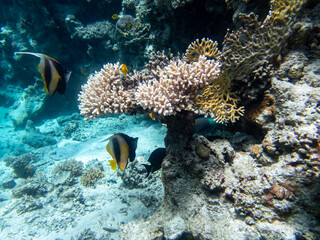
(204, 124)
(109, 229)
(54, 76)
(155, 159)
(121, 147)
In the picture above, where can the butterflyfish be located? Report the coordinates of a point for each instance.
(155, 160)
(115, 16)
(122, 148)
(54, 75)
(124, 69)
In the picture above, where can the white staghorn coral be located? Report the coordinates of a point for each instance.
(104, 93)
(177, 86)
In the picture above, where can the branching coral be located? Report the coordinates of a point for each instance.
(217, 101)
(105, 93)
(91, 176)
(71, 165)
(164, 91)
(21, 166)
(206, 47)
(284, 10)
(179, 83)
(256, 43)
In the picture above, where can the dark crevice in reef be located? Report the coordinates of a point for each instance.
(196, 20)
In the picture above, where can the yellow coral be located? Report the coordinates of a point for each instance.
(283, 10)
(217, 101)
(206, 47)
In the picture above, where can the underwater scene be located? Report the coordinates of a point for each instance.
(160, 119)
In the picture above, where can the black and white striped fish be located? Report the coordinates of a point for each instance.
(54, 75)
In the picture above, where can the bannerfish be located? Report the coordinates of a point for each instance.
(155, 159)
(204, 124)
(121, 147)
(54, 75)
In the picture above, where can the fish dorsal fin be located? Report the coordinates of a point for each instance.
(39, 55)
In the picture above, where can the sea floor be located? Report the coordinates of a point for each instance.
(44, 207)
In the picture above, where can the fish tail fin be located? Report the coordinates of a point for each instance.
(39, 55)
(67, 75)
(148, 168)
(113, 164)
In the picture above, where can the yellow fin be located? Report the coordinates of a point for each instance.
(113, 164)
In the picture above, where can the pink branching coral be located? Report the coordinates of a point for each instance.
(164, 91)
(105, 93)
(177, 86)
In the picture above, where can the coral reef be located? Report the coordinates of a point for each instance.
(166, 92)
(270, 185)
(104, 93)
(248, 48)
(218, 102)
(178, 85)
(206, 48)
(261, 184)
(21, 166)
(65, 173)
(91, 176)
(33, 186)
(248, 54)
